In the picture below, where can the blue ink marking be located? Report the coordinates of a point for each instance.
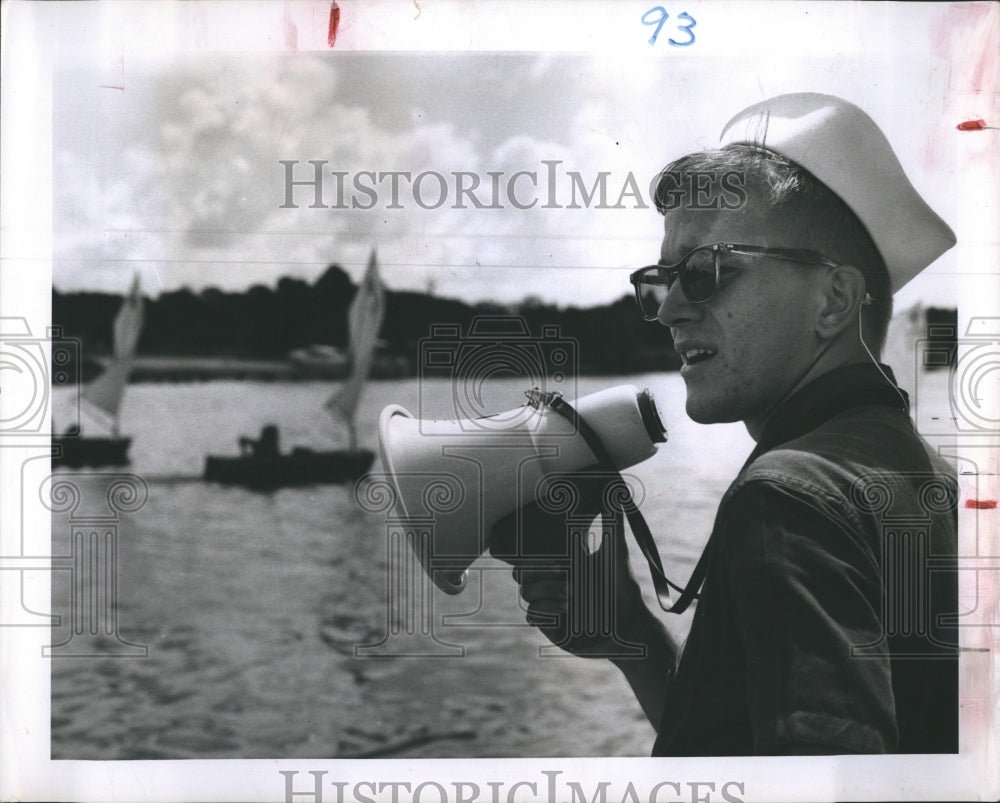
(658, 23)
(686, 29)
(661, 16)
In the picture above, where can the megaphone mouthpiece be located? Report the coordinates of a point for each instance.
(651, 417)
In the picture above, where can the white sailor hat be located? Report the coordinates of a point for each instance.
(841, 145)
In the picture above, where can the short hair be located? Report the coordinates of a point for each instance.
(791, 188)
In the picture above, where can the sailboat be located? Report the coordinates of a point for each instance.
(263, 466)
(103, 396)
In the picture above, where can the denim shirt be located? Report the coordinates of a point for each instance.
(826, 622)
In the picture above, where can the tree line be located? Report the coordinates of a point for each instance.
(268, 323)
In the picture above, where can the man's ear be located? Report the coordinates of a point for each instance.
(843, 295)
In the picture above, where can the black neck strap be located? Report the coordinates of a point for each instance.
(643, 536)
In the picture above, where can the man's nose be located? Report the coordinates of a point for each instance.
(676, 309)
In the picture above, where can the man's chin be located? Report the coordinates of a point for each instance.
(698, 413)
(704, 412)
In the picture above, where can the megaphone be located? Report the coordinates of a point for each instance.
(455, 479)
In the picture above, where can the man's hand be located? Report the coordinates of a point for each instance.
(588, 604)
(581, 601)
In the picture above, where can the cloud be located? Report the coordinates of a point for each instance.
(181, 175)
(196, 192)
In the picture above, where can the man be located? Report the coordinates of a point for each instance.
(822, 623)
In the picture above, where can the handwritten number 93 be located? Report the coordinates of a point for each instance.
(658, 15)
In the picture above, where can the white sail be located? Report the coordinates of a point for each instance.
(106, 392)
(363, 321)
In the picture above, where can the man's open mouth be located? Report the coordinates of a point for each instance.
(692, 356)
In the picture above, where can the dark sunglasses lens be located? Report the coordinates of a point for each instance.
(652, 290)
(698, 276)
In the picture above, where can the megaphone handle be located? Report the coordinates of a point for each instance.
(643, 536)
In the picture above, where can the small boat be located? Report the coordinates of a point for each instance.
(299, 467)
(262, 466)
(320, 361)
(78, 451)
(104, 395)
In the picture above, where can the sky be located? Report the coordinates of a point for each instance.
(168, 163)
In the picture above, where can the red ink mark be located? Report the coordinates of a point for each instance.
(971, 125)
(291, 32)
(981, 504)
(331, 36)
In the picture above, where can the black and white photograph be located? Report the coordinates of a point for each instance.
(478, 402)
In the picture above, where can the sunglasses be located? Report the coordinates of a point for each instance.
(700, 270)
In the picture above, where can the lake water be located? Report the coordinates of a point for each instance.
(251, 604)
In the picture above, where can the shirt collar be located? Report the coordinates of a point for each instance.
(833, 392)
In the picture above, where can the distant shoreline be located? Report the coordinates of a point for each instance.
(149, 369)
(166, 369)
